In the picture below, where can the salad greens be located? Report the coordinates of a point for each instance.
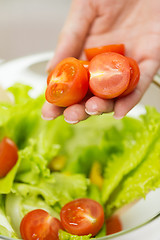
(67, 236)
(126, 151)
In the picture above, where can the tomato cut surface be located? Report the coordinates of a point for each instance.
(67, 83)
(39, 225)
(113, 225)
(134, 76)
(92, 52)
(109, 75)
(82, 216)
(8, 156)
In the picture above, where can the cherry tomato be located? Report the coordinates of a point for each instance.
(92, 52)
(67, 83)
(134, 78)
(113, 225)
(8, 156)
(39, 225)
(109, 75)
(82, 216)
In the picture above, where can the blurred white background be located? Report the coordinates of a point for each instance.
(30, 26)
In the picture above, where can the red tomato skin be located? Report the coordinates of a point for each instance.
(92, 52)
(82, 216)
(134, 78)
(67, 83)
(114, 75)
(39, 225)
(8, 156)
(113, 225)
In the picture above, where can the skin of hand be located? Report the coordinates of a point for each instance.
(91, 23)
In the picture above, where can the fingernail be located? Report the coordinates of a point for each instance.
(47, 118)
(117, 117)
(92, 113)
(70, 121)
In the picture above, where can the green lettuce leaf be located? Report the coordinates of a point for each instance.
(102, 232)
(20, 93)
(94, 193)
(7, 181)
(90, 131)
(136, 146)
(59, 188)
(67, 236)
(5, 226)
(138, 182)
(85, 156)
(44, 189)
(5, 232)
(33, 166)
(69, 187)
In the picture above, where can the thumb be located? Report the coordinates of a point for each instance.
(74, 32)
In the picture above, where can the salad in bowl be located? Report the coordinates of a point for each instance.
(69, 177)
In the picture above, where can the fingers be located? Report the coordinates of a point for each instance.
(96, 105)
(81, 111)
(50, 111)
(75, 113)
(72, 114)
(148, 69)
(74, 32)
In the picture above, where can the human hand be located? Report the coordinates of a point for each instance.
(94, 23)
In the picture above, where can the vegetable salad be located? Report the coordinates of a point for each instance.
(113, 162)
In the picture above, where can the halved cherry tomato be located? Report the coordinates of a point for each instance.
(113, 225)
(109, 75)
(82, 216)
(67, 83)
(39, 225)
(92, 52)
(8, 156)
(134, 78)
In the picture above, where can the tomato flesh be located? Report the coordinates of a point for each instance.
(134, 78)
(82, 216)
(8, 156)
(109, 75)
(113, 225)
(92, 52)
(67, 83)
(39, 225)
